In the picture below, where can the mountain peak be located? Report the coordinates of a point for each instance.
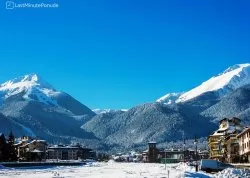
(25, 82)
(235, 67)
(31, 77)
(33, 86)
(232, 78)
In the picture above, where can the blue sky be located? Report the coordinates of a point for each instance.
(115, 54)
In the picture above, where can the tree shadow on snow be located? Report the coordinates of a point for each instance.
(195, 174)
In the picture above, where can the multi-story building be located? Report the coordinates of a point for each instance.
(244, 144)
(172, 155)
(214, 146)
(217, 142)
(152, 152)
(232, 149)
(70, 152)
(151, 155)
(31, 150)
(62, 152)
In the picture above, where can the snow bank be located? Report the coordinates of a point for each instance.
(185, 167)
(2, 167)
(189, 171)
(233, 173)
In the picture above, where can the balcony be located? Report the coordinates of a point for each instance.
(215, 149)
(213, 139)
(215, 153)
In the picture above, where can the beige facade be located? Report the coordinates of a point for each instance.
(223, 138)
(215, 151)
(31, 150)
(244, 144)
(232, 149)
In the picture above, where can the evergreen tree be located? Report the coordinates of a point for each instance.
(2, 147)
(12, 149)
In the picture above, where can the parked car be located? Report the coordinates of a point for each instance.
(210, 165)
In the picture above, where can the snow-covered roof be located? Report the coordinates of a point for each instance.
(18, 143)
(222, 129)
(231, 129)
(62, 147)
(152, 142)
(36, 151)
(217, 134)
(43, 141)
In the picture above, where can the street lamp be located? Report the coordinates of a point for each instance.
(184, 144)
(165, 151)
(165, 158)
(196, 156)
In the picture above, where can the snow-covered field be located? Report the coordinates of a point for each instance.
(111, 170)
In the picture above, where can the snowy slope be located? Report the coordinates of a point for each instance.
(30, 106)
(232, 78)
(33, 87)
(103, 111)
(169, 98)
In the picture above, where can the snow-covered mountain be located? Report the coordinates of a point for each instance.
(232, 78)
(176, 113)
(30, 106)
(33, 87)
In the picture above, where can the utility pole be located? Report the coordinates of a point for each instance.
(184, 147)
(184, 144)
(196, 155)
